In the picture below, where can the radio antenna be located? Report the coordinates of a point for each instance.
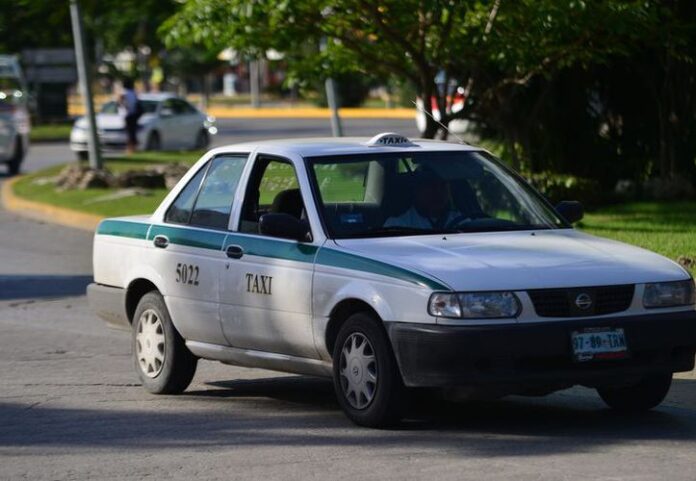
(449, 132)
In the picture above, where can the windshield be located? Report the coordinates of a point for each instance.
(149, 107)
(379, 195)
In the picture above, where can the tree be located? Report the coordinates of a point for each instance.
(490, 47)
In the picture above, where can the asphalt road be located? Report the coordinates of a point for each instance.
(71, 407)
(232, 131)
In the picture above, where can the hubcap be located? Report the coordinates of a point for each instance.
(149, 343)
(358, 371)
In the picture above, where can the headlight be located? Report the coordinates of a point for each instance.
(444, 305)
(669, 294)
(474, 305)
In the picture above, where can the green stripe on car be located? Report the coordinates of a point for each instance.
(344, 260)
(202, 239)
(265, 247)
(120, 228)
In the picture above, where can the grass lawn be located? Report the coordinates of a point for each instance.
(666, 228)
(50, 132)
(36, 186)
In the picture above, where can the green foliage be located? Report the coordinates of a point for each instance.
(50, 132)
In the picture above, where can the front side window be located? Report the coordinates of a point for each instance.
(369, 195)
(207, 199)
(273, 188)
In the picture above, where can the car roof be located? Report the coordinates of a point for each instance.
(325, 146)
(158, 97)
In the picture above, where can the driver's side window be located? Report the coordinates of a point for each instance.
(272, 188)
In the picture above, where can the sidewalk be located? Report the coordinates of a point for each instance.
(224, 112)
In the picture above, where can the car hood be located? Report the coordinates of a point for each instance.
(112, 121)
(519, 260)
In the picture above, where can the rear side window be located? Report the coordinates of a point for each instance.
(180, 211)
(206, 201)
(214, 203)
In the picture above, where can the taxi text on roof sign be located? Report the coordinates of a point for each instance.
(390, 138)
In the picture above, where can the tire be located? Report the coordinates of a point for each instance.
(202, 140)
(15, 162)
(153, 141)
(363, 361)
(82, 155)
(645, 395)
(162, 360)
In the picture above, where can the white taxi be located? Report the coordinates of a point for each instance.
(388, 264)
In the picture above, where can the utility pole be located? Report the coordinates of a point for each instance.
(330, 86)
(254, 83)
(336, 127)
(95, 160)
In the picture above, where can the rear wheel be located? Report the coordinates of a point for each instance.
(82, 155)
(15, 162)
(162, 360)
(366, 377)
(645, 395)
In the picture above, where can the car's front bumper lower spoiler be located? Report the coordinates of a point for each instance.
(538, 354)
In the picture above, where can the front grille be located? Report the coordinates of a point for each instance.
(562, 302)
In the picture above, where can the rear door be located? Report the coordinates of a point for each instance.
(187, 248)
(266, 290)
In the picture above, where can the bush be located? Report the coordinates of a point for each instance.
(558, 187)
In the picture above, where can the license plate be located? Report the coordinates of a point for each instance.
(599, 344)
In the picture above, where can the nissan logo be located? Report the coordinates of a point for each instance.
(583, 301)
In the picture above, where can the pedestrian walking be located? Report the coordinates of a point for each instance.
(131, 104)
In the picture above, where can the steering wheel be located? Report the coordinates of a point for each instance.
(461, 218)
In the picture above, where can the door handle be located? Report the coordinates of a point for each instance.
(234, 251)
(161, 241)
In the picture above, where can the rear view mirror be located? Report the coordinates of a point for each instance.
(284, 226)
(166, 112)
(571, 210)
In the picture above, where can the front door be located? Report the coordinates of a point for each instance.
(266, 288)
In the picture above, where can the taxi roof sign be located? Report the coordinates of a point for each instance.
(390, 139)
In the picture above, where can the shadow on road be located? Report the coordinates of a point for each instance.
(302, 412)
(41, 286)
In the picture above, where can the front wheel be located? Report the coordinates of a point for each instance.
(366, 377)
(163, 362)
(154, 142)
(202, 140)
(643, 396)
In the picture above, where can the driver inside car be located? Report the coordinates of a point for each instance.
(431, 205)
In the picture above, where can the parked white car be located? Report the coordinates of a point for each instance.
(14, 115)
(387, 265)
(168, 123)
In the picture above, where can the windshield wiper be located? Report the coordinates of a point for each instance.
(396, 230)
(499, 228)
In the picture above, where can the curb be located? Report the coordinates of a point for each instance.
(46, 212)
(295, 113)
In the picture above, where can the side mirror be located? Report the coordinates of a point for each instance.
(284, 226)
(166, 112)
(571, 210)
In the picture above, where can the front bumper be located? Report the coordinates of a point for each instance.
(525, 356)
